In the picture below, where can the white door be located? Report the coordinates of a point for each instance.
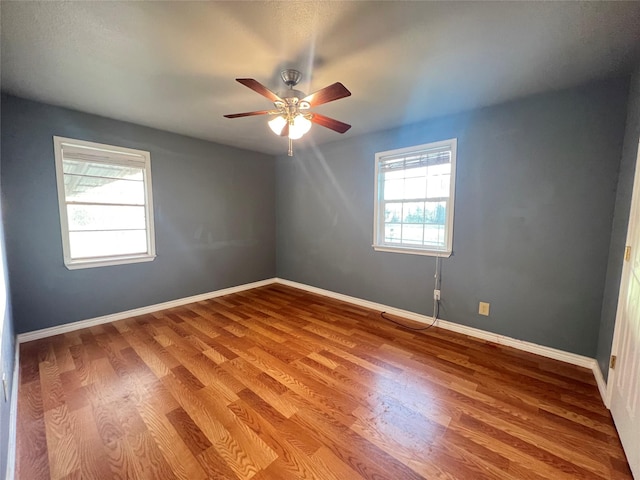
(624, 380)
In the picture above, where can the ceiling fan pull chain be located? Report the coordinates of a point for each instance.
(290, 153)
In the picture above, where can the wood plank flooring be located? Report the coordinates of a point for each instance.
(277, 383)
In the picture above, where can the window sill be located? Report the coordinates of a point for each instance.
(106, 262)
(412, 251)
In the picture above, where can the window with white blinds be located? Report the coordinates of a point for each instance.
(106, 207)
(414, 199)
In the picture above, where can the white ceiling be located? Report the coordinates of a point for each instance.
(172, 65)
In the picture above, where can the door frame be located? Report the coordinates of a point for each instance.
(624, 277)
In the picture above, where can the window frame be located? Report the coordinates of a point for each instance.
(378, 219)
(115, 156)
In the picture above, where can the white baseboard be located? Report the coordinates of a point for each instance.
(91, 322)
(601, 382)
(548, 352)
(13, 418)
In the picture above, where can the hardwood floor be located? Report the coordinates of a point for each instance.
(278, 383)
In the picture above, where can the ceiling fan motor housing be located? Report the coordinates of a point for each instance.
(291, 77)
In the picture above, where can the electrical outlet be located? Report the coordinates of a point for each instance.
(483, 308)
(436, 294)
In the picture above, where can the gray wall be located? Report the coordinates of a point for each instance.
(535, 194)
(620, 222)
(214, 218)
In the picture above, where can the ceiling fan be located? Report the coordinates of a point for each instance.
(292, 117)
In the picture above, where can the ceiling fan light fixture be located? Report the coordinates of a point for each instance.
(299, 127)
(276, 124)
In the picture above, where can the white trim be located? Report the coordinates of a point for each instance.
(133, 153)
(548, 352)
(114, 156)
(124, 260)
(378, 223)
(541, 350)
(601, 382)
(13, 418)
(624, 277)
(415, 251)
(91, 322)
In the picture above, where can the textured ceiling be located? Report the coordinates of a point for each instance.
(172, 65)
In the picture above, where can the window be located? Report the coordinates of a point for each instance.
(414, 199)
(106, 208)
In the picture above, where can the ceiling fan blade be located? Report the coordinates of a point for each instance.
(248, 114)
(330, 123)
(256, 86)
(327, 94)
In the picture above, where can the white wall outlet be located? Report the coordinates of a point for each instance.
(483, 308)
(436, 294)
